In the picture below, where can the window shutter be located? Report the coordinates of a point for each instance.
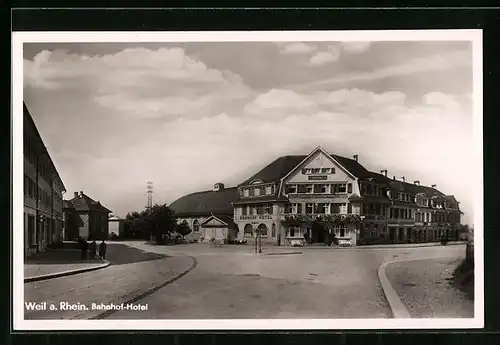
(349, 188)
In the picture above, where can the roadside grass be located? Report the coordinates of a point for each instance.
(463, 278)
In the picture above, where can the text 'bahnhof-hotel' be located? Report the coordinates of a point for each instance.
(323, 195)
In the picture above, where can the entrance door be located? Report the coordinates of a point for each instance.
(318, 233)
(392, 234)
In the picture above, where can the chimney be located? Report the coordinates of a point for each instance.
(81, 193)
(394, 178)
(417, 183)
(403, 178)
(433, 185)
(355, 157)
(384, 172)
(76, 194)
(218, 186)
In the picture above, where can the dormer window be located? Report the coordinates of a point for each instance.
(257, 192)
(246, 192)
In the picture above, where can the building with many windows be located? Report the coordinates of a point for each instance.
(323, 195)
(43, 192)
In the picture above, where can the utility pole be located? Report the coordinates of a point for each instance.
(149, 190)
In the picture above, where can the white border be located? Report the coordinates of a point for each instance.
(18, 38)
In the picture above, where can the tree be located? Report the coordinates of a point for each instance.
(162, 221)
(183, 229)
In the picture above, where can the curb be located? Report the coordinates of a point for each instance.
(65, 273)
(284, 253)
(148, 292)
(398, 310)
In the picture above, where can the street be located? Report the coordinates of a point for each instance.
(233, 282)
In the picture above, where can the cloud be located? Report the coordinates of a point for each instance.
(434, 62)
(296, 48)
(322, 58)
(140, 82)
(356, 47)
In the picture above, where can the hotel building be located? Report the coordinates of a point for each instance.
(43, 190)
(323, 194)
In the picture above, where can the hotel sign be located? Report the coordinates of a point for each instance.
(317, 177)
(255, 217)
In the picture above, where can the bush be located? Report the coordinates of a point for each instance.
(113, 236)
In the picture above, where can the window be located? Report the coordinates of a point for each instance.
(316, 170)
(343, 208)
(301, 188)
(307, 171)
(320, 188)
(292, 231)
(323, 208)
(338, 188)
(31, 229)
(291, 189)
(268, 209)
(309, 208)
(349, 208)
(335, 208)
(309, 188)
(256, 191)
(254, 210)
(374, 232)
(349, 188)
(369, 189)
(269, 190)
(243, 210)
(325, 170)
(295, 208)
(273, 230)
(246, 192)
(332, 170)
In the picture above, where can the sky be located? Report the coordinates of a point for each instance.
(187, 115)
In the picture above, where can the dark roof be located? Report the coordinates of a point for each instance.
(84, 203)
(277, 169)
(29, 122)
(206, 203)
(283, 165)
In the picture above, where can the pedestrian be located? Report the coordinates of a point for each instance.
(85, 247)
(102, 250)
(92, 249)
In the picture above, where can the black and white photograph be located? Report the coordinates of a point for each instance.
(248, 180)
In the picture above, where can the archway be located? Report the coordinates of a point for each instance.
(262, 229)
(196, 226)
(248, 230)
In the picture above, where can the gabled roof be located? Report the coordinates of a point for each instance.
(206, 203)
(82, 202)
(283, 165)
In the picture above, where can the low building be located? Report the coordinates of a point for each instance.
(85, 217)
(43, 192)
(116, 225)
(209, 214)
(321, 196)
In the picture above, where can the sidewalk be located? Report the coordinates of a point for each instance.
(38, 272)
(426, 288)
(74, 297)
